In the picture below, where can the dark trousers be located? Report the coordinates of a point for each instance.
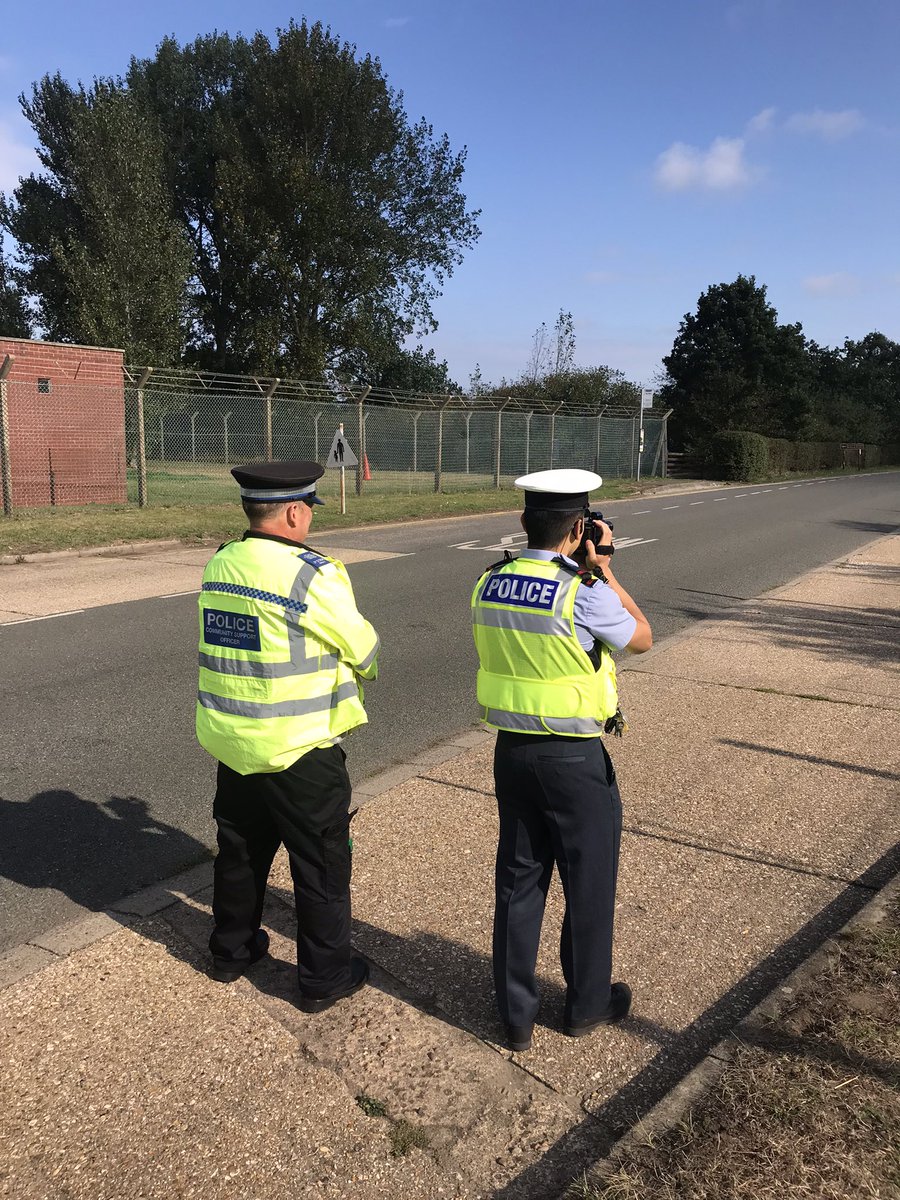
(558, 803)
(307, 807)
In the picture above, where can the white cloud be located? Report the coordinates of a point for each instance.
(720, 168)
(839, 283)
(828, 125)
(762, 122)
(17, 157)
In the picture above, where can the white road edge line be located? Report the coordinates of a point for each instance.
(669, 507)
(641, 512)
(72, 612)
(172, 595)
(719, 499)
(694, 503)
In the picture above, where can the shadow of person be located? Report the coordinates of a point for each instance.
(91, 853)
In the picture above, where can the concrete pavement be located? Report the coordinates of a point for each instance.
(760, 782)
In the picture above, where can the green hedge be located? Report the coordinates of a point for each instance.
(740, 455)
(736, 454)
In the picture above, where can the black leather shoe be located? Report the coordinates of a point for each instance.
(619, 1006)
(359, 977)
(229, 972)
(518, 1037)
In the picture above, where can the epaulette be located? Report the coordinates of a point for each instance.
(316, 560)
(507, 558)
(588, 578)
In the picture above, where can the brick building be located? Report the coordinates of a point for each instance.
(66, 423)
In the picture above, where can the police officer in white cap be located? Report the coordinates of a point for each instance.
(283, 652)
(544, 629)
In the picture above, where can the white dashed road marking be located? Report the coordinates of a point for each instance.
(694, 503)
(72, 612)
(669, 507)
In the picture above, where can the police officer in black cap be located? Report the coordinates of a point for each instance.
(283, 653)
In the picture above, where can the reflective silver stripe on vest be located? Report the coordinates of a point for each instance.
(370, 658)
(283, 708)
(528, 723)
(264, 670)
(521, 622)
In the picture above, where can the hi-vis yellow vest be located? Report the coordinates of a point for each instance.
(534, 677)
(282, 650)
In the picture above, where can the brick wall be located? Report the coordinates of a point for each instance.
(66, 413)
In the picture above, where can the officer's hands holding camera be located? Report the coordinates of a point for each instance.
(594, 556)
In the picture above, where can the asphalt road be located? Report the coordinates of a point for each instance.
(103, 789)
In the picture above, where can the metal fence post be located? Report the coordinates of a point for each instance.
(5, 466)
(194, 417)
(142, 444)
(498, 441)
(225, 417)
(467, 417)
(631, 461)
(528, 417)
(599, 433)
(415, 421)
(267, 401)
(439, 448)
(360, 440)
(162, 438)
(553, 432)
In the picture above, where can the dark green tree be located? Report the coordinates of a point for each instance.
(15, 319)
(732, 366)
(323, 223)
(416, 370)
(103, 254)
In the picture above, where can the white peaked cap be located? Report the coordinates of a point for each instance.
(565, 481)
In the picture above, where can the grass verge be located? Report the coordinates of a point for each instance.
(31, 531)
(809, 1108)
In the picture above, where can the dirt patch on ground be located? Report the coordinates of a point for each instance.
(810, 1106)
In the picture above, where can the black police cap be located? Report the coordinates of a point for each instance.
(272, 482)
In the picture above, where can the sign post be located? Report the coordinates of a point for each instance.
(340, 456)
(646, 402)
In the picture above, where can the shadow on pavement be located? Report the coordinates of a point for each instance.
(875, 772)
(92, 853)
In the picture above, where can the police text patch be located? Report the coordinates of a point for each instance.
(314, 560)
(522, 590)
(238, 631)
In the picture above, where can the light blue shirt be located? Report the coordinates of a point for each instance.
(599, 613)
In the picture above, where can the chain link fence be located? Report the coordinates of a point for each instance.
(193, 433)
(166, 437)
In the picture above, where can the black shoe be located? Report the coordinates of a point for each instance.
(226, 972)
(619, 1005)
(359, 977)
(518, 1037)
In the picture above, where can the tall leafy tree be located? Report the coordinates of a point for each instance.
(103, 254)
(15, 319)
(732, 366)
(323, 223)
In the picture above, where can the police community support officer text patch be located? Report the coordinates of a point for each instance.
(522, 590)
(238, 631)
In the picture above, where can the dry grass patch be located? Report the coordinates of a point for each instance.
(809, 1108)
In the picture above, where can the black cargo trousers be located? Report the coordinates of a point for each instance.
(558, 803)
(307, 807)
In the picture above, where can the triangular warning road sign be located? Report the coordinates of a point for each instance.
(340, 454)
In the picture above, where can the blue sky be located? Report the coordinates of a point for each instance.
(626, 154)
